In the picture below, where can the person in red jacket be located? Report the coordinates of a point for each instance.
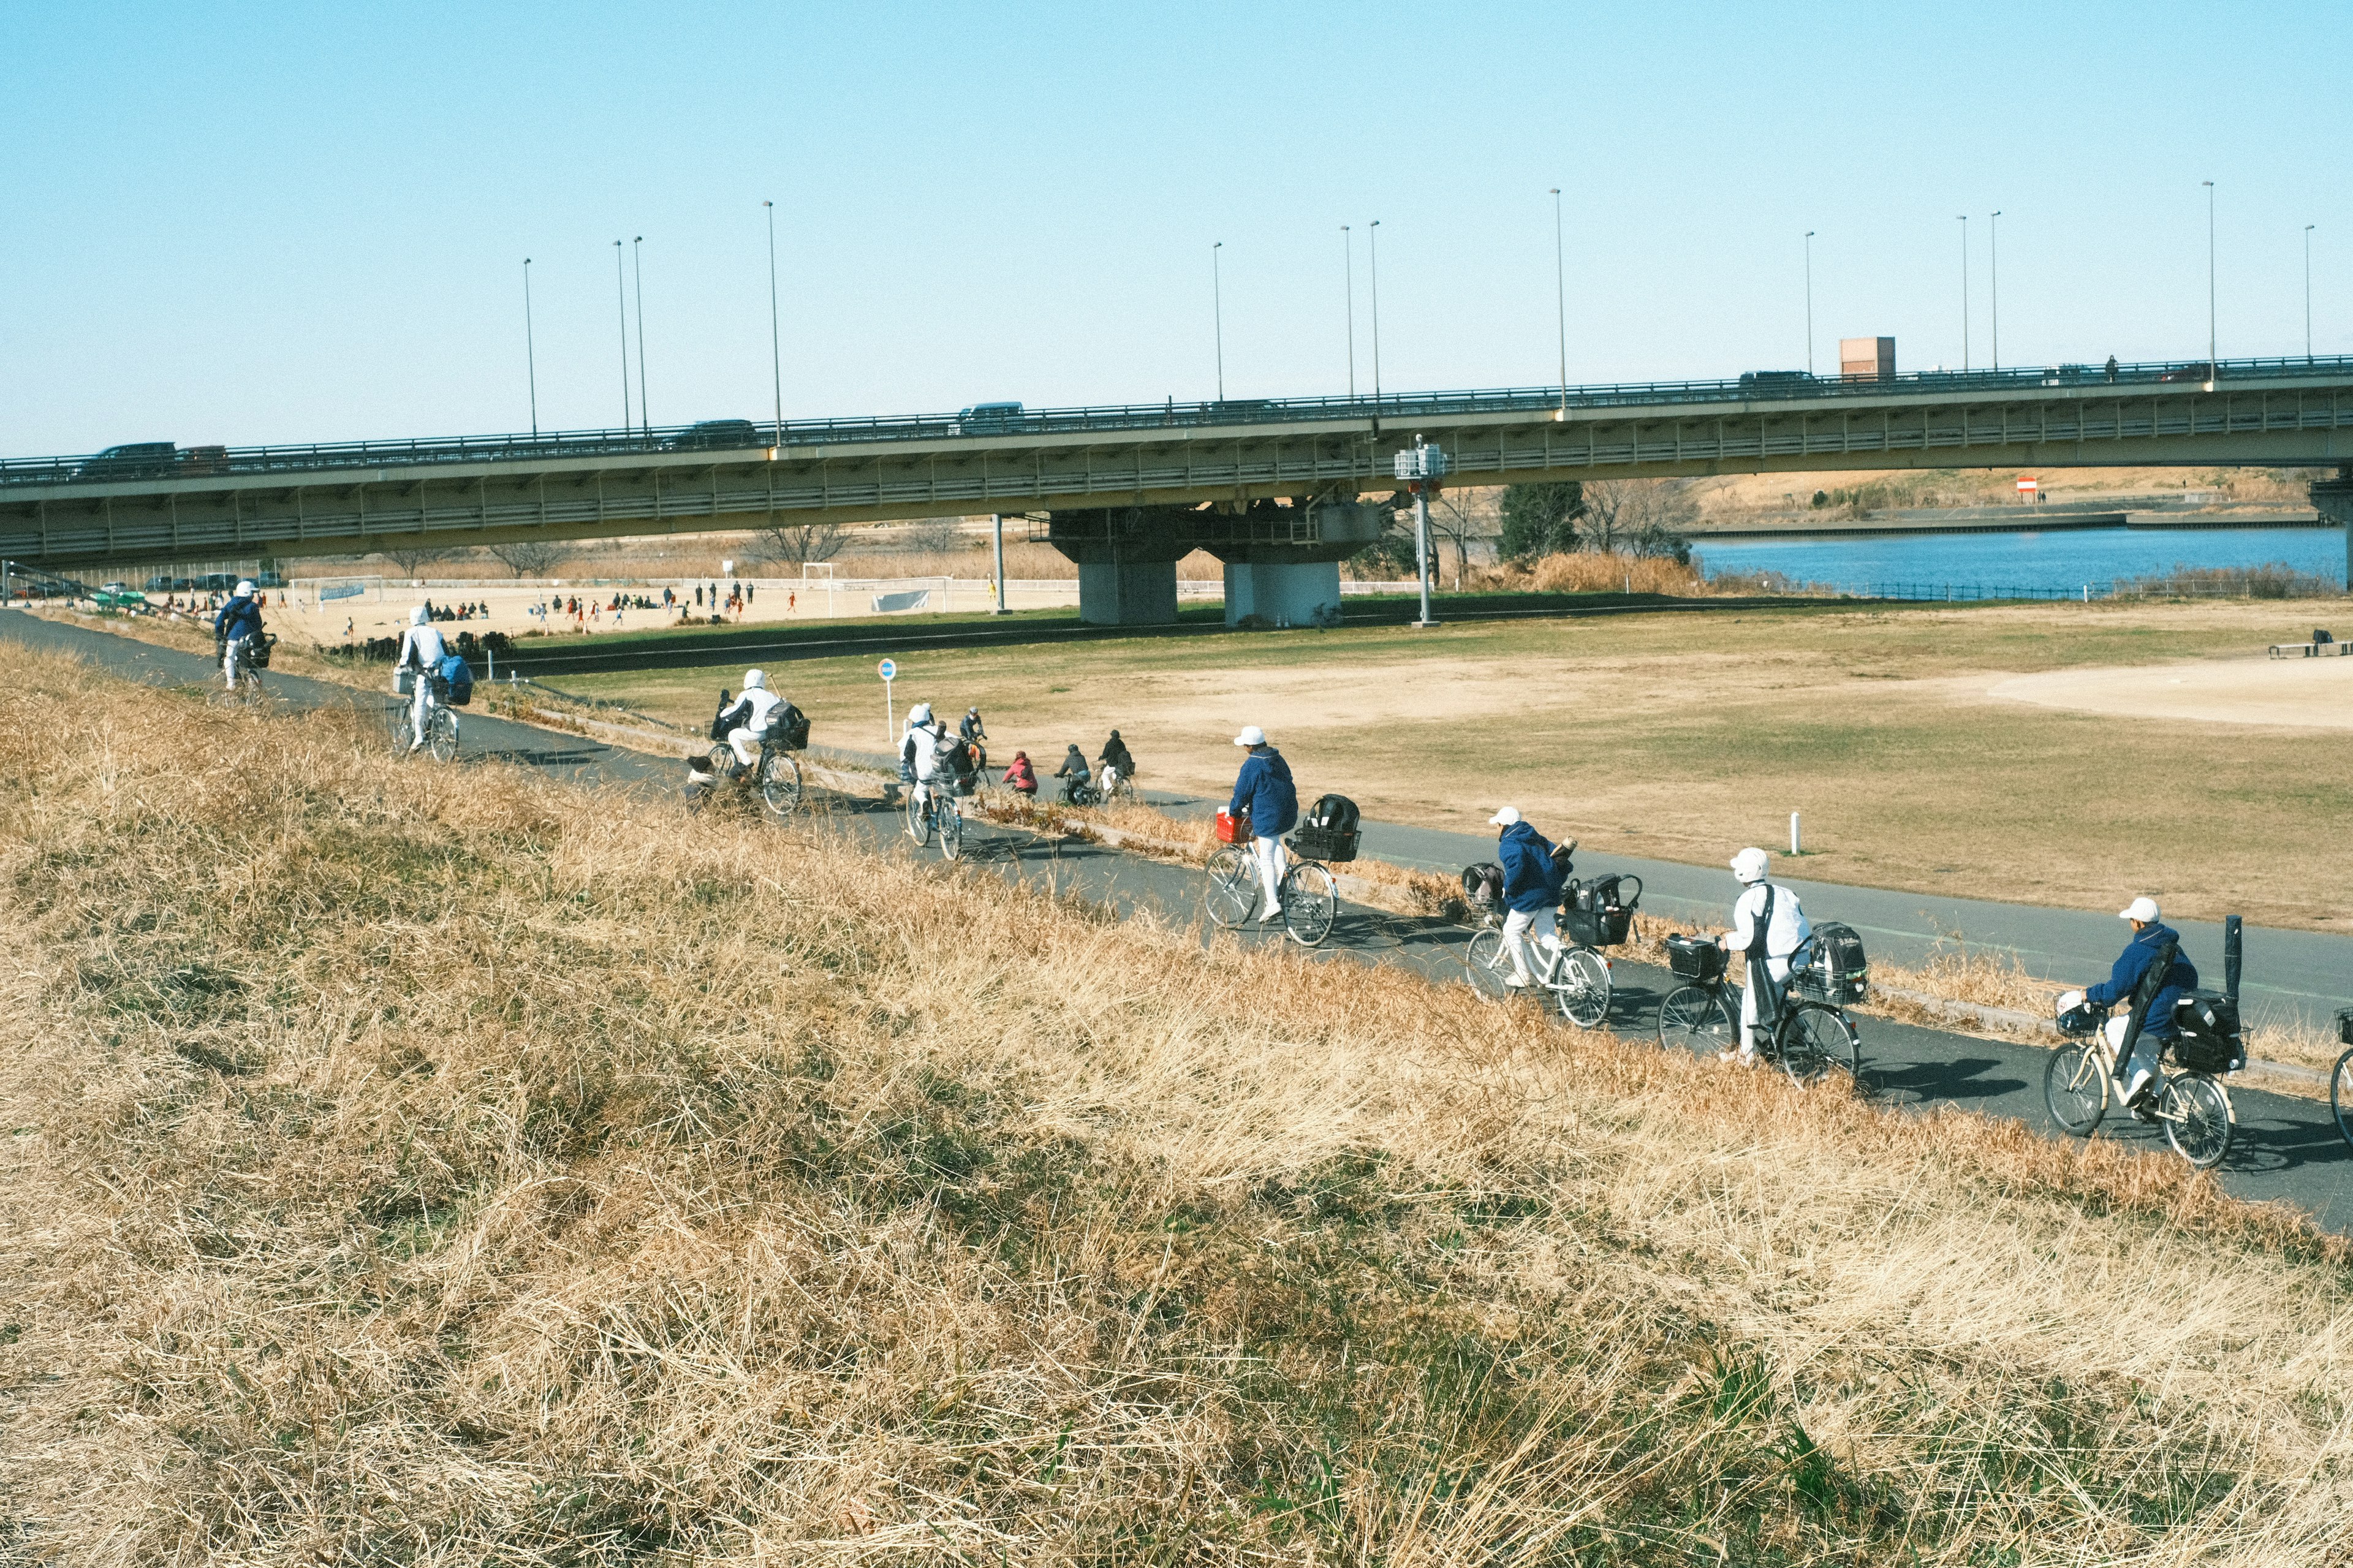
(1020, 777)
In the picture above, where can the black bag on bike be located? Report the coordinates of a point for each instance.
(1696, 957)
(1591, 914)
(1329, 832)
(1832, 964)
(719, 718)
(1483, 885)
(2206, 1036)
(792, 728)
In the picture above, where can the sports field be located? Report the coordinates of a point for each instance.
(1898, 732)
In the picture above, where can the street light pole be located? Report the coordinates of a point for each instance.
(2212, 370)
(531, 348)
(1217, 307)
(1560, 296)
(1965, 290)
(1994, 282)
(1810, 302)
(1348, 249)
(775, 349)
(621, 295)
(1373, 242)
(637, 264)
(2307, 293)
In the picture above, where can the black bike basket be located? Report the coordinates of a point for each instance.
(790, 727)
(1591, 915)
(1696, 957)
(1832, 965)
(2206, 1034)
(2345, 1026)
(1483, 885)
(1329, 832)
(256, 652)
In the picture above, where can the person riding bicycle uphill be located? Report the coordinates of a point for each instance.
(1022, 778)
(1768, 925)
(422, 650)
(237, 628)
(1074, 772)
(1264, 792)
(746, 720)
(1117, 763)
(971, 728)
(919, 753)
(2150, 939)
(1531, 889)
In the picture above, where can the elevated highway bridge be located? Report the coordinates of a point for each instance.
(1271, 486)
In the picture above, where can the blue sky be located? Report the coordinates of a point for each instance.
(280, 223)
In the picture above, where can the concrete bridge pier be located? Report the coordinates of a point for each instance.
(1283, 564)
(2333, 499)
(1127, 561)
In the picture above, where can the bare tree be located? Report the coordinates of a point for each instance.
(1456, 521)
(792, 544)
(530, 557)
(412, 559)
(935, 535)
(1639, 517)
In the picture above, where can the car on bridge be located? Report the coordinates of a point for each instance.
(1771, 381)
(133, 461)
(2202, 371)
(990, 419)
(718, 436)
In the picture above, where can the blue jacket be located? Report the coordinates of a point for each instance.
(239, 618)
(2138, 954)
(1528, 875)
(1263, 787)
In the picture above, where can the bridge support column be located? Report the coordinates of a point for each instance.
(2333, 501)
(1128, 561)
(1127, 593)
(1280, 593)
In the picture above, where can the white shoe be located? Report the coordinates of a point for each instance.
(2140, 1081)
(418, 744)
(1737, 1058)
(1271, 915)
(1517, 981)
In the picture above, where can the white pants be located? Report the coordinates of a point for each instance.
(236, 655)
(1269, 852)
(1752, 1036)
(1517, 925)
(746, 743)
(420, 705)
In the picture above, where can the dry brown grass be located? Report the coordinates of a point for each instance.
(431, 1167)
(1591, 572)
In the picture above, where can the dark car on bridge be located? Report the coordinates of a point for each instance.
(718, 436)
(1769, 382)
(133, 461)
(990, 419)
(2202, 371)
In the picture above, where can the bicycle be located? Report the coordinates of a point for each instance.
(440, 724)
(2191, 1105)
(931, 806)
(2340, 1079)
(1812, 1037)
(1574, 975)
(252, 658)
(1309, 896)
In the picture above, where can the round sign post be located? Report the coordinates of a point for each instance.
(888, 670)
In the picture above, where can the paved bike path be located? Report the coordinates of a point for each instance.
(2285, 1148)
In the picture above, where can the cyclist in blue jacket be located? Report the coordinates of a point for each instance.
(1264, 790)
(2149, 937)
(1531, 888)
(237, 628)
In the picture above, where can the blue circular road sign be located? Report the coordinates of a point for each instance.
(890, 668)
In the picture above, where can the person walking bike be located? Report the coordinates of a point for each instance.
(1531, 889)
(1264, 792)
(1767, 926)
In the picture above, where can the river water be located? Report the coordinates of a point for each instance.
(2063, 561)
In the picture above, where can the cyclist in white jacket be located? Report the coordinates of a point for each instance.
(422, 650)
(1785, 930)
(919, 750)
(747, 719)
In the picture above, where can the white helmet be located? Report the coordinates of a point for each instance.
(418, 617)
(243, 589)
(921, 713)
(755, 682)
(1750, 865)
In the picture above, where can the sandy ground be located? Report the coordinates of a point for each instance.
(2298, 693)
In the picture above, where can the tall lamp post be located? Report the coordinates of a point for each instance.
(775, 349)
(637, 264)
(1218, 315)
(1560, 296)
(2307, 293)
(2212, 368)
(1993, 282)
(1348, 249)
(1965, 290)
(1810, 302)
(1373, 242)
(531, 349)
(621, 295)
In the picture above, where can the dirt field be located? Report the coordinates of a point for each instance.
(1899, 733)
(2290, 693)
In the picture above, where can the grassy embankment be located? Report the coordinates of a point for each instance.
(1683, 737)
(407, 1170)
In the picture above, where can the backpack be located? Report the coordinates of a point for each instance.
(1483, 885)
(461, 676)
(1832, 963)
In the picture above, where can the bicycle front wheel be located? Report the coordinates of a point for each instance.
(1581, 987)
(404, 734)
(2340, 1096)
(442, 734)
(780, 783)
(2075, 1087)
(1816, 1041)
(1230, 893)
(1487, 965)
(919, 819)
(2197, 1116)
(951, 822)
(1694, 1018)
(1309, 901)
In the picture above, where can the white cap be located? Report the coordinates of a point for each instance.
(1750, 865)
(1505, 817)
(417, 617)
(2143, 909)
(1251, 735)
(243, 589)
(754, 680)
(919, 714)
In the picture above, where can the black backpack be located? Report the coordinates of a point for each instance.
(1333, 813)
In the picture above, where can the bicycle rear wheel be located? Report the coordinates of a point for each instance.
(1581, 987)
(2075, 1087)
(1309, 901)
(951, 822)
(442, 734)
(2197, 1116)
(780, 783)
(1814, 1041)
(1230, 886)
(1487, 965)
(1694, 1018)
(919, 819)
(2340, 1095)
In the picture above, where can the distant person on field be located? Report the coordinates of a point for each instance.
(1073, 772)
(2151, 940)
(1265, 790)
(236, 628)
(422, 650)
(747, 719)
(1022, 778)
(1531, 889)
(1768, 925)
(1117, 763)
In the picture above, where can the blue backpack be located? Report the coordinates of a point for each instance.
(461, 676)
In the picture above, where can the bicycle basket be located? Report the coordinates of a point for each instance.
(256, 652)
(2345, 1026)
(1327, 844)
(1615, 892)
(1832, 964)
(1232, 830)
(1483, 885)
(1595, 928)
(2206, 1034)
(2200, 1053)
(1695, 957)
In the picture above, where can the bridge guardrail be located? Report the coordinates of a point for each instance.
(1793, 387)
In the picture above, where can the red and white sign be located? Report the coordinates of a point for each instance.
(2026, 482)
